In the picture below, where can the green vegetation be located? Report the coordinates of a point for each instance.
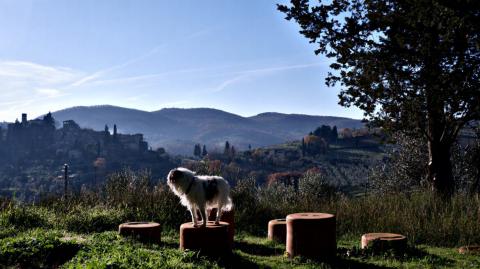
(411, 66)
(40, 248)
(82, 228)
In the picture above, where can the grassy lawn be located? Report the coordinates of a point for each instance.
(40, 248)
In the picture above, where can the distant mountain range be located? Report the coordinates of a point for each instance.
(177, 130)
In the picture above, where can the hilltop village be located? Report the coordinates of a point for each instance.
(35, 150)
(39, 136)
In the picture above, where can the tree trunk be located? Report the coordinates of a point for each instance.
(440, 167)
(440, 172)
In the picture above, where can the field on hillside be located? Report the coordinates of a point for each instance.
(346, 164)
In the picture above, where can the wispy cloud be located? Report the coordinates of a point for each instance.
(101, 73)
(251, 73)
(21, 71)
(225, 84)
(49, 92)
(98, 77)
(126, 80)
(26, 77)
(281, 68)
(24, 83)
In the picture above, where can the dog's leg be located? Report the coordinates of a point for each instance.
(193, 211)
(219, 213)
(203, 212)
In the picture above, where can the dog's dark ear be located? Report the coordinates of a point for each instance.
(175, 175)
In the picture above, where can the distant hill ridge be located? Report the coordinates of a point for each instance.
(178, 129)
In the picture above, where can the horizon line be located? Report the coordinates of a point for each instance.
(186, 108)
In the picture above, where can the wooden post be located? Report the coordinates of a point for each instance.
(65, 177)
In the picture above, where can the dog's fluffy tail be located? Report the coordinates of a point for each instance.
(228, 206)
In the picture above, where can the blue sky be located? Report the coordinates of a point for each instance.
(238, 56)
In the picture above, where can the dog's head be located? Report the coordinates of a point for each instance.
(180, 178)
(174, 175)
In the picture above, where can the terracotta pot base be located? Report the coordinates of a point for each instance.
(312, 235)
(211, 240)
(142, 231)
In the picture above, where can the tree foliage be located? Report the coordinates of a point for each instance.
(410, 65)
(204, 150)
(197, 150)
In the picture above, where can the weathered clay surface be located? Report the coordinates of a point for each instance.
(277, 230)
(311, 235)
(474, 249)
(384, 241)
(143, 231)
(228, 217)
(211, 240)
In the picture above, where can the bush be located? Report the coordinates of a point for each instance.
(255, 206)
(419, 215)
(97, 219)
(405, 168)
(25, 217)
(36, 249)
(314, 189)
(140, 201)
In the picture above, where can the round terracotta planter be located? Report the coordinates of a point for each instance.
(311, 235)
(384, 241)
(474, 249)
(228, 217)
(211, 240)
(142, 231)
(277, 230)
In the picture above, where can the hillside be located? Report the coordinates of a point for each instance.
(177, 130)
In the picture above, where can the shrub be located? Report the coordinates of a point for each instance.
(314, 189)
(405, 169)
(255, 206)
(36, 249)
(97, 219)
(419, 215)
(25, 217)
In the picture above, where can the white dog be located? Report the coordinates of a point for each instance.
(200, 193)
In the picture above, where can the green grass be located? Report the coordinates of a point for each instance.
(80, 232)
(42, 248)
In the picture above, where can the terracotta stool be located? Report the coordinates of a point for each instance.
(311, 235)
(143, 231)
(228, 217)
(211, 240)
(474, 249)
(384, 241)
(277, 230)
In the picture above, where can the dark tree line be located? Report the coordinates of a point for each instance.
(326, 132)
(198, 151)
